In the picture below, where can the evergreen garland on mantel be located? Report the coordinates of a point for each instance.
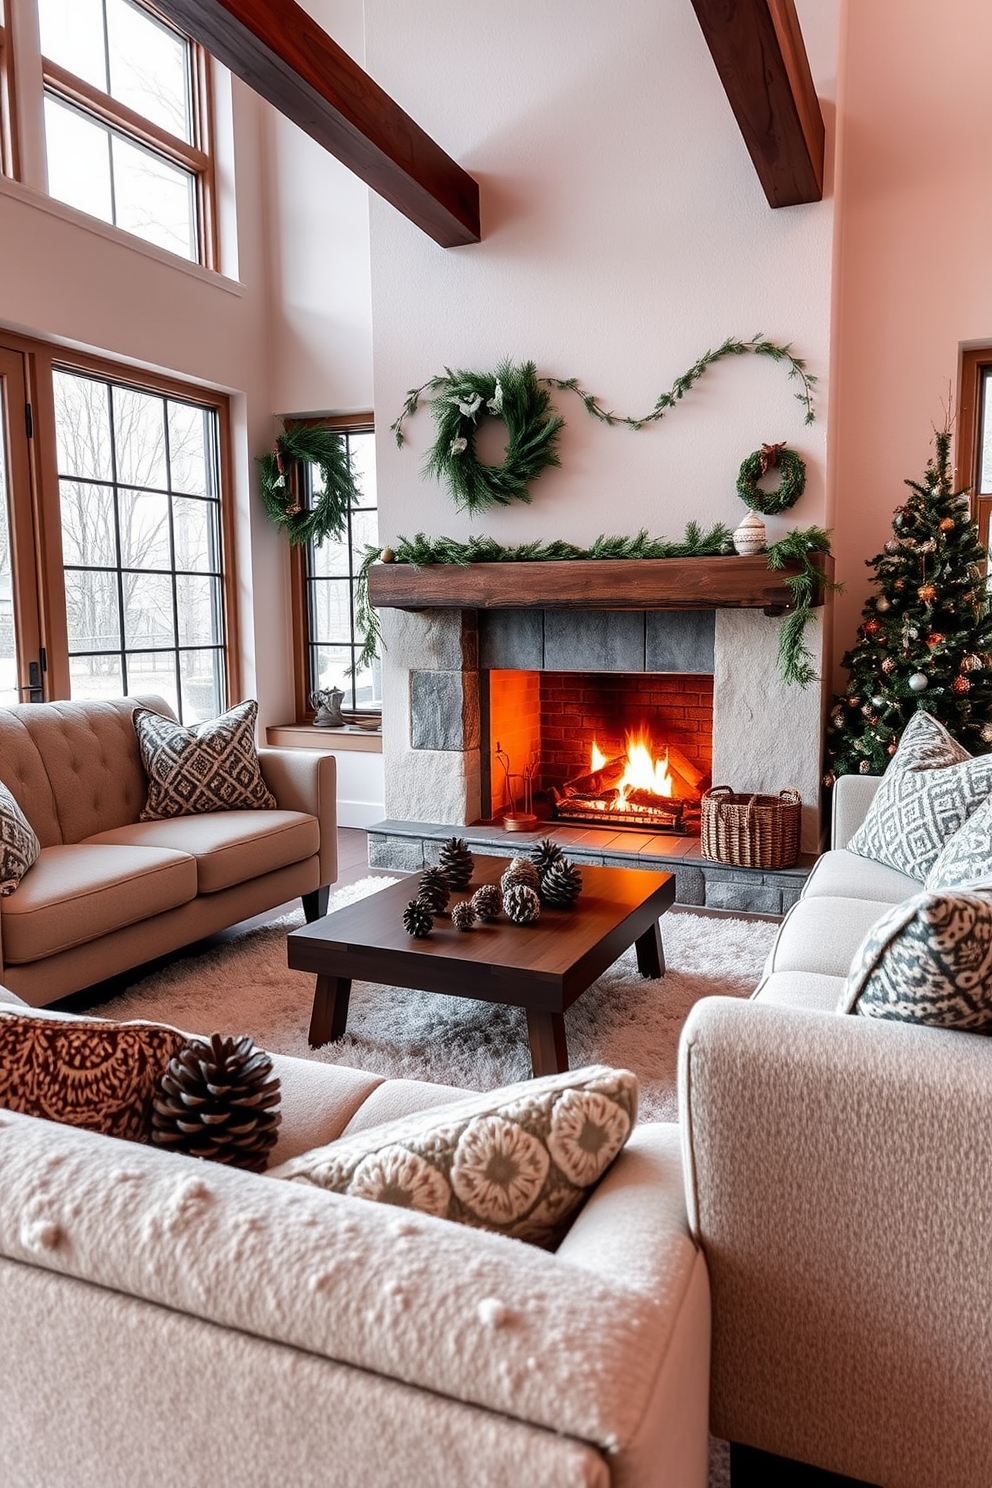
(800, 545)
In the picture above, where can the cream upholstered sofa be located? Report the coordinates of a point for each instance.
(839, 1180)
(167, 1320)
(109, 891)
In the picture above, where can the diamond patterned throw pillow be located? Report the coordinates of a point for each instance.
(930, 789)
(927, 960)
(19, 845)
(210, 767)
(518, 1160)
(966, 858)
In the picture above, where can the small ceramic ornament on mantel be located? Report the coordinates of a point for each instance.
(750, 536)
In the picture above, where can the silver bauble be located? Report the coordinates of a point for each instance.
(919, 681)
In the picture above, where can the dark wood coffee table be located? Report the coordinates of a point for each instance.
(542, 967)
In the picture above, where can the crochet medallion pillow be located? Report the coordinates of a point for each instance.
(210, 767)
(930, 789)
(519, 1160)
(19, 845)
(927, 960)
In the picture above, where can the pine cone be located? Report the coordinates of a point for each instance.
(521, 904)
(456, 863)
(544, 854)
(561, 885)
(520, 871)
(417, 919)
(435, 889)
(487, 902)
(218, 1100)
(463, 915)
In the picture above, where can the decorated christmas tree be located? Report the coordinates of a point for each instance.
(925, 639)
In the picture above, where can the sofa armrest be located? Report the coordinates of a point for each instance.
(306, 780)
(841, 1188)
(853, 794)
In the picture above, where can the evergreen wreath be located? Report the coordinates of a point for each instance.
(786, 493)
(308, 444)
(460, 401)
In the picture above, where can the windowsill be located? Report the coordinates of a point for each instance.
(306, 736)
(42, 202)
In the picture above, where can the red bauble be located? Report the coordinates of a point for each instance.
(961, 684)
(936, 639)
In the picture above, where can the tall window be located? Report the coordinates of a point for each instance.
(334, 641)
(7, 150)
(974, 434)
(141, 543)
(125, 121)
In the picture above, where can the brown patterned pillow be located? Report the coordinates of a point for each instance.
(19, 845)
(210, 767)
(99, 1075)
(520, 1160)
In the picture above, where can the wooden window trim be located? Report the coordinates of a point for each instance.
(9, 153)
(974, 362)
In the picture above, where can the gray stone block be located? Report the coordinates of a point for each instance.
(405, 854)
(680, 641)
(444, 710)
(511, 640)
(594, 640)
(751, 898)
(690, 886)
(789, 897)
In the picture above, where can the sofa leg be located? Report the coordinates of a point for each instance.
(751, 1468)
(315, 904)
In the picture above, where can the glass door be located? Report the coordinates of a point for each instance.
(22, 661)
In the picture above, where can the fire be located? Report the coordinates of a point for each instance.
(642, 771)
(597, 759)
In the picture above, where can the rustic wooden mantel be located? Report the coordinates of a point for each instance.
(590, 584)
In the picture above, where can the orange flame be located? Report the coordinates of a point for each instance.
(597, 759)
(642, 771)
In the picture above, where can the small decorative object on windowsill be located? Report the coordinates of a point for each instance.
(791, 484)
(750, 537)
(326, 703)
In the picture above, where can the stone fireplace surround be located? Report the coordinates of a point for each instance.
(766, 735)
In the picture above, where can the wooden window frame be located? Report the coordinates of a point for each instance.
(196, 158)
(9, 155)
(975, 362)
(41, 360)
(353, 423)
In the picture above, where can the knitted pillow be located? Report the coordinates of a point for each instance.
(19, 845)
(966, 858)
(927, 960)
(95, 1074)
(930, 789)
(210, 767)
(519, 1160)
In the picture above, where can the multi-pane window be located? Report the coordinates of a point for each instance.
(334, 639)
(124, 120)
(141, 543)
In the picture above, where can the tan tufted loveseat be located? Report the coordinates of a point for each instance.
(110, 892)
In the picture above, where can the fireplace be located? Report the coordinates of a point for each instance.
(629, 750)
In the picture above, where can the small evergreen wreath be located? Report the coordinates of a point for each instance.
(513, 394)
(789, 488)
(309, 444)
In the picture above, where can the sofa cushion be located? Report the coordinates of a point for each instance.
(229, 847)
(821, 934)
(519, 1160)
(812, 990)
(19, 845)
(95, 1074)
(966, 858)
(929, 790)
(842, 874)
(76, 893)
(210, 767)
(928, 960)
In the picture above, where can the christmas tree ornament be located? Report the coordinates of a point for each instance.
(520, 871)
(891, 546)
(871, 627)
(750, 536)
(456, 863)
(888, 665)
(387, 556)
(218, 1099)
(417, 919)
(919, 681)
(561, 885)
(463, 916)
(971, 663)
(947, 524)
(927, 593)
(864, 767)
(434, 889)
(961, 685)
(878, 701)
(829, 780)
(891, 749)
(487, 901)
(521, 904)
(544, 854)
(986, 732)
(936, 639)
(882, 603)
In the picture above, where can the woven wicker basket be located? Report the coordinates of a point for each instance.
(751, 831)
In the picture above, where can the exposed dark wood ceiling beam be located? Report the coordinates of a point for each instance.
(275, 47)
(758, 49)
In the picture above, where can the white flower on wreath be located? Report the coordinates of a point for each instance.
(469, 409)
(495, 404)
(498, 1169)
(396, 1176)
(459, 445)
(587, 1132)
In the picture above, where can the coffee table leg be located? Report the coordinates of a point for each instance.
(548, 1050)
(330, 1009)
(650, 953)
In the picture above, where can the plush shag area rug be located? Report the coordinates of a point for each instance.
(624, 1019)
